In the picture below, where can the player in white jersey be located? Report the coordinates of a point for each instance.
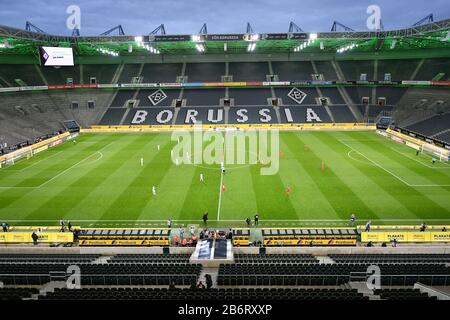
(154, 190)
(142, 162)
(202, 178)
(158, 147)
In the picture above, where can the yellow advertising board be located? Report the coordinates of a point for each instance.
(405, 236)
(284, 126)
(45, 237)
(110, 242)
(310, 242)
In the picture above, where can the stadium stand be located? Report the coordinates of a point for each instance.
(203, 97)
(432, 68)
(27, 116)
(133, 276)
(61, 75)
(432, 126)
(399, 69)
(248, 71)
(403, 294)
(201, 72)
(326, 69)
(293, 71)
(352, 70)
(205, 294)
(250, 97)
(103, 73)
(128, 72)
(14, 75)
(161, 72)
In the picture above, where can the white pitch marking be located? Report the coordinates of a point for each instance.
(393, 174)
(426, 165)
(19, 170)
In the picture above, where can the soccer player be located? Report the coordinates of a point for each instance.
(202, 178)
(142, 162)
(154, 190)
(433, 160)
(288, 190)
(248, 221)
(352, 219)
(158, 147)
(368, 226)
(205, 218)
(256, 217)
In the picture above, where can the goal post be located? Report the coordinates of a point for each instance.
(441, 154)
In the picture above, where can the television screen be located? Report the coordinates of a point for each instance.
(56, 56)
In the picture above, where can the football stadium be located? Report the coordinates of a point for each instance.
(293, 166)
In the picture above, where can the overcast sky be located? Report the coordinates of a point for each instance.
(139, 17)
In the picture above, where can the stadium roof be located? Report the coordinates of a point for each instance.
(427, 36)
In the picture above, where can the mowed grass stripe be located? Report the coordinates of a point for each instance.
(342, 197)
(82, 183)
(238, 201)
(409, 170)
(47, 168)
(270, 196)
(97, 202)
(306, 198)
(369, 184)
(133, 199)
(201, 197)
(417, 200)
(17, 202)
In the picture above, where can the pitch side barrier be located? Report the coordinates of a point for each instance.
(222, 127)
(249, 84)
(419, 143)
(12, 157)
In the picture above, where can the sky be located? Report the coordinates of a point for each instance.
(139, 17)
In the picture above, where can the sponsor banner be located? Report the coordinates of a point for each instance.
(235, 84)
(214, 84)
(383, 133)
(224, 37)
(405, 236)
(412, 145)
(276, 83)
(309, 242)
(113, 85)
(10, 89)
(139, 85)
(40, 149)
(26, 150)
(119, 242)
(32, 88)
(193, 84)
(440, 83)
(417, 82)
(255, 83)
(72, 86)
(46, 237)
(397, 139)
(170, 84)
(170, 38)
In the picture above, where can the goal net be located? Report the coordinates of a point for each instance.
(435, 152)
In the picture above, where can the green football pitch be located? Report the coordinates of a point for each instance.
(99, 181)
